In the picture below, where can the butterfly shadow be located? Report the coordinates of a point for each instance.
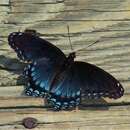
(11, 64)
(94, 104)
(14, 66)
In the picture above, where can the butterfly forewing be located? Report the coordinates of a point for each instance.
(41, 73)
(30, 47)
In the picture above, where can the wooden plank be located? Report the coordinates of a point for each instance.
(89, 20)
(4, 2)
(14, 98)
(116, 118)
(17, 102)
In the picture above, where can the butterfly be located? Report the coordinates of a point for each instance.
(59, 78)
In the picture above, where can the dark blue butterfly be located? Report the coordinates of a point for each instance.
(58, 78)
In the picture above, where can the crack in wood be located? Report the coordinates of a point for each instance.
(82, 106)
(90, 10)
(65, 122)
(41, 3)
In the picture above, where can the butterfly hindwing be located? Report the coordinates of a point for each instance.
(31, 88)
(60, 85)
(98, 83)
(40, 74)
(65, 91)
(65, 85)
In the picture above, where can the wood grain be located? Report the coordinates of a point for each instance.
(115, 119)
(89, 20)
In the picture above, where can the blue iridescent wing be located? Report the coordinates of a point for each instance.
(98, 83)
(64, 86)
(30, 47)
(65, 89)
(31, 88)
(83, 79)
(39, 75)
(60, 85)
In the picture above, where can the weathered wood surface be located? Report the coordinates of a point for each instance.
(117, 118)
(89, 20)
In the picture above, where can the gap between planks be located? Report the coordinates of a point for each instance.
(31, 102)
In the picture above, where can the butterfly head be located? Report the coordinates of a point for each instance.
(71, 57)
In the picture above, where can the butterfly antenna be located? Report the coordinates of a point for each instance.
(69, 37)
(87, 46)
(92, 44)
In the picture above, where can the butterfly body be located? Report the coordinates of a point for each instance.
(60, 79)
